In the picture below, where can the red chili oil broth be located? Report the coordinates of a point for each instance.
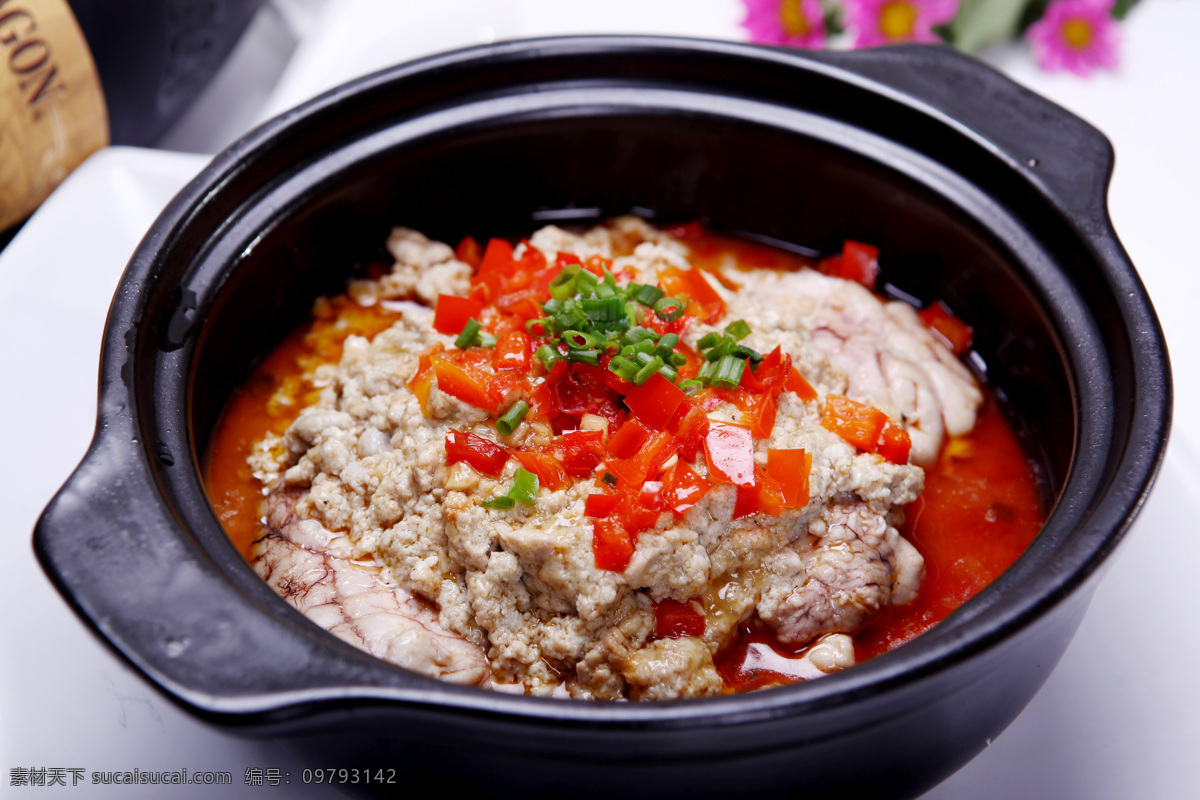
(980, 510)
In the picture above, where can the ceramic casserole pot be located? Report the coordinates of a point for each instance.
(979, 192)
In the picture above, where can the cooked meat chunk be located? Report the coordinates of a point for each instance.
(852, 564)
(888, 358)
(313, 570)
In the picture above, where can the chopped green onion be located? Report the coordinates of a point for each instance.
(590, 356)
(669, 341)
(654, 365)
(646, 295)
(729, 372)
(487, 340)
(524, 490)
(604, 309)
(525, 487)
(691, 386)
(669, 309)
(468, 335)
(610, 281)
(637, 333)
(503, 501)
(564, 283)
(585, 282)
(578, 340)
(737, 330)
(711, 339)
(538, 327)
(609, 478)
(720, 350)
(512, 418)
(546, 355)
(571, 316)
(623, 368)
(741, 351)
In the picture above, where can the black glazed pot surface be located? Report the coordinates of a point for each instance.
(977, 191)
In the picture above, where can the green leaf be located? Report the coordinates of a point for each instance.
(980, 23)
(1122, 8)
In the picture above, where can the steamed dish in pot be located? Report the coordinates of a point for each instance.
(619, 463)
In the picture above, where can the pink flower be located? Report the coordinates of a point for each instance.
(886, 21)
(800, 23)
(1078, 35)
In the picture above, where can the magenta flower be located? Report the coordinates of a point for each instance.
(800, 23)
(1078, 35)
(886, 21)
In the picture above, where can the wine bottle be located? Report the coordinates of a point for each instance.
(75, 76)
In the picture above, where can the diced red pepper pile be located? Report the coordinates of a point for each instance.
(637, 440)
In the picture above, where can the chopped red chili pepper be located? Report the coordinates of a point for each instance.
(487, 284)
(729, 451)
(612, 545)
(452, 312)
(599, 504)
(673, 619)
(771, 375)
(628, 439)
(484, 455)
(580, 451)
(799, 386)
(512, 351)
(764, 496)
(464, 382)
(894, 443)
(791, 468)
(954, 333)
(655, 401)
(691, 282)
(683, 488)
(860, 263)
(689, 426)
(857, 423)
(549, 470)
(469, 252)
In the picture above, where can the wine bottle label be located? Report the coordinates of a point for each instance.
(52, 112)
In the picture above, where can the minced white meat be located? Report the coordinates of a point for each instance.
(366, 464)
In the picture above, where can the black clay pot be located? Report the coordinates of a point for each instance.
(978, 192)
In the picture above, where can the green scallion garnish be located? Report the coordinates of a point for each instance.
(652, 366)
(546, 355)
(729, 372)
(524, 490)
(646, 295)
(503, 501)
(737, 330)
(525, 487)
(669, 309)
(469, 334)
(512, 418)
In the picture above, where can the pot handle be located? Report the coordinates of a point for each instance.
(1066, 157)
(113, 549)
